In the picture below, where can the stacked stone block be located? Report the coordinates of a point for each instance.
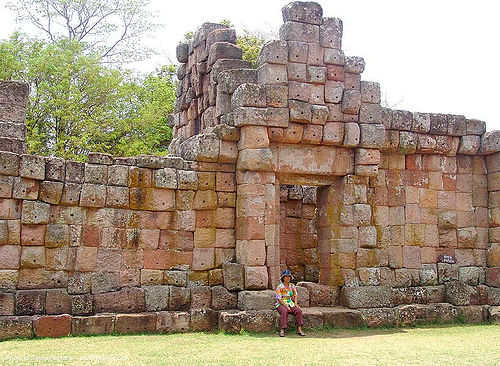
(114, 234)
(211, 69)
(13, 99)
(493, 248)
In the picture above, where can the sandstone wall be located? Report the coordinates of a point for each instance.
(91, 235)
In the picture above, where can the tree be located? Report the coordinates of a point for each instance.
(78, 105)
(111, 29)
(250, 45)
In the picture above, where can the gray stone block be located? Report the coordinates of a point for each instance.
(156, 297)
(273, 52)
(354, 64)
(295, 31)
(372, 135)
(32, 167)
(256, 300)
(223, 50)
(300, 11)
(333, 56)
(351, 102)
(366, 297)
(330, 33)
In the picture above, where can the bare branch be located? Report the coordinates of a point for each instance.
(106, 27)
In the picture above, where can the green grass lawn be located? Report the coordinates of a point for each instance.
(433, 345)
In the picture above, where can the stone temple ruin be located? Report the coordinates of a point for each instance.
(385, 216)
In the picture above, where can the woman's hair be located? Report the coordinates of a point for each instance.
(281, 278)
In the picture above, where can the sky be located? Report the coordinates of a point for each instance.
(428, 56)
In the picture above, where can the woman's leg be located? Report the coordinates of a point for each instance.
(284, 316)
(298, 315)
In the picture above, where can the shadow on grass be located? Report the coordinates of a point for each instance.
(361, 331)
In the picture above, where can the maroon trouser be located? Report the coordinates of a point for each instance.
(284, 315)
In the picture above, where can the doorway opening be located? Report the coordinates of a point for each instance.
(298, 232)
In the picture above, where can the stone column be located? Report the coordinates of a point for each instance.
(493, 253)
(13, 99)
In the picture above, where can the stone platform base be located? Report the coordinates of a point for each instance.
(235, 320)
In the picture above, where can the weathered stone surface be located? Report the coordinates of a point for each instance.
(52, 326)
(366, 297)
(333, 56)
(354, 64)
(494, 314)
(459, 293)
(92, 325)
(35, 212)
(312, 318)
(274, 52)
(201, 297)
(9, 163)
(221, 35)
(203, 320)
(295, 31)
(469, 145)
(256, 159)
(179, 299)
(7, 303)
(58, 302)
(127, 300)
(182, 52)
(341, 317)
(156, 297)
(230, 321)
(172, 321)
(256, 300)
(223, 299)
(330, 33)
(372, 135)
(351, 102)
(135, 323)
(223, 50)
(321, 295)
(259, 320)
(302, 296)
(32, 167)
(306, 12)
(475, 127)
(233, 276)
(81, 304)
(30, 302)
(256, 277)
(15, 327)
(229, 80)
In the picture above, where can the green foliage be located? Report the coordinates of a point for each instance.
(78, 105)
(251, 44)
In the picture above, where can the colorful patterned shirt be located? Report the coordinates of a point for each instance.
(285, 293)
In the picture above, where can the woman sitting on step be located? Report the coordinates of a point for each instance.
(286, 302)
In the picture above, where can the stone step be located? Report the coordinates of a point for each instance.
(235, 320)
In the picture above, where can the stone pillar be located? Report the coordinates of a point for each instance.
(13, 99)
(493, 253)
(256, 228)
